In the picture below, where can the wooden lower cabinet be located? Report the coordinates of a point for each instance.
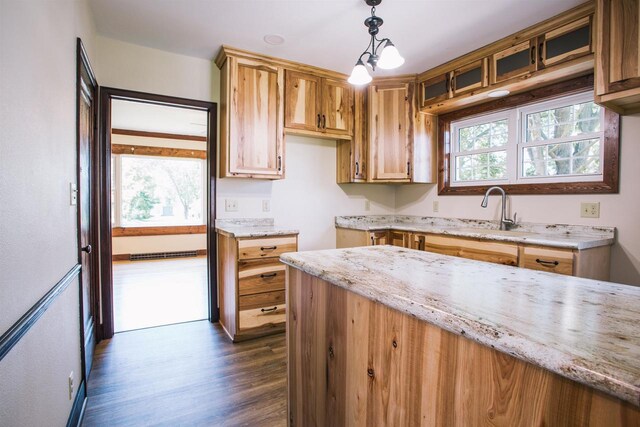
(251, 282)
(590, 263)
(353, 361)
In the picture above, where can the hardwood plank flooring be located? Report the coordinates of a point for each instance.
(159, 292)
(188, 374)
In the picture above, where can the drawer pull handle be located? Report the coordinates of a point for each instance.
(264, 276)
(268, 248)
(266, 310)
(544, 262)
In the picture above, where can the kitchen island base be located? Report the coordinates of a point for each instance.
(354, 361)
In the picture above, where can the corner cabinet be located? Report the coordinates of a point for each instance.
(251, 282)
(318, 106)
(617, 55)
(251, 122)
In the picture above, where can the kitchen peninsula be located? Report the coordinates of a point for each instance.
(392, 336)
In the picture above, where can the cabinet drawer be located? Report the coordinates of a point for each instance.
(552, 260)
(267, 247)
(259, 317)
(265, 299)
(261, 275)
(486, 250)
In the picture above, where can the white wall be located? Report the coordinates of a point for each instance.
(618, 210)
(37, 224)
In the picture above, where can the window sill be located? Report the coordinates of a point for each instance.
(157, 231)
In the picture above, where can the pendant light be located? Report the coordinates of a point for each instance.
(389, 57)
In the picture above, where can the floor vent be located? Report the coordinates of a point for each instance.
(162, 255)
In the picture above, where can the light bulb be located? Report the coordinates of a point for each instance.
(359, 75)
(390, 57)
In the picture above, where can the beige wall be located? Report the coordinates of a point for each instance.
(37, 224)
(619, 210)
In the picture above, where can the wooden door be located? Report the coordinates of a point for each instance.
(302, 101)
(399, 238)
(469, 77)
(390, 132)
(337, 107)
(618, 56)
(378, 238)
(87, 243)
(515, 61)
(435, 89)
(417, 241)
(256, 133)
(566, 43)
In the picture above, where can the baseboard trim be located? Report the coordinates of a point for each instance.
(79, 405)
(13, 335)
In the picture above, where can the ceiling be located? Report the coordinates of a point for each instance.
(133, 115)
(326, 33)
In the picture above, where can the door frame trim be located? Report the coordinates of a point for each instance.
(83, 64)
(106, 326)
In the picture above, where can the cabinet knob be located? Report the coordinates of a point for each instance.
(318, 125)
(533, 54)
(279, 163)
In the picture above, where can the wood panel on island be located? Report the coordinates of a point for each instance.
(251, 282)
(554, 50)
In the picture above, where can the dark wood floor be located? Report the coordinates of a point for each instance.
(188, 374)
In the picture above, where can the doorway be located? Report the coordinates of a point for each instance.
(158, 173)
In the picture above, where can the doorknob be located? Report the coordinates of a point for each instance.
(87, 249)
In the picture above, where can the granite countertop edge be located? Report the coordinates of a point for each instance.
(485, 334)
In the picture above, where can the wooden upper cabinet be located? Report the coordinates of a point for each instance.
(514, 61)
(390, 131)
(554, 50)
(251, 133)
(618, 55)
(351, 155)
(565, 43)
(319, 106)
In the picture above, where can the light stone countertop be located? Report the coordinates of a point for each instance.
(555, 235)
(582, 329)
(251, 227)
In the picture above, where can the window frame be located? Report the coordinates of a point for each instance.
(606, 183)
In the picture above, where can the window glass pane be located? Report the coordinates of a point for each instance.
(568, 158)
(161, 191)
(485, 135)
(563, 122)
(484, 166)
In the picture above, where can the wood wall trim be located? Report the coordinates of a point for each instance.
(158, 231)
(610, 167)
(13, 335)
(144, 150)
(146, 134)
(79, 405)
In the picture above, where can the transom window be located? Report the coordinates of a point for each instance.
(560, 140)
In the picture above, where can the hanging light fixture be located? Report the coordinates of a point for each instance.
(389, 57)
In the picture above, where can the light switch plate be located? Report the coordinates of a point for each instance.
(436, 206)
(73, 194)
(266, 205)
(590, 210)
(367, 205)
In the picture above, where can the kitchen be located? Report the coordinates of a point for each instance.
(313, 196)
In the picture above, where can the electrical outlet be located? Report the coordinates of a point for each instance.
(73, 191)
(590, 210)
(367, 205)
(231, 205)
(71, 385)
(266, 205)
(436, 206)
